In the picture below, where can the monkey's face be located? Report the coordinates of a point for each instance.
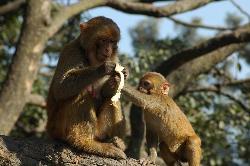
(99, 37)
(145, 86)
(153, 83)
(106, 49)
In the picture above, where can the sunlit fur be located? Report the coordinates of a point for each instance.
(165, 120)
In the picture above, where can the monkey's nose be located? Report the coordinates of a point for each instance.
(141, 89)
(108, 51)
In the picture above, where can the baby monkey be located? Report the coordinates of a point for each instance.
(165, 122)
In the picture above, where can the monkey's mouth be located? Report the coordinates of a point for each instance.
(105, 56)
(102, 57)
(141, 89)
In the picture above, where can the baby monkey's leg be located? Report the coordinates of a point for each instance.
(152, 144)
(166, 155)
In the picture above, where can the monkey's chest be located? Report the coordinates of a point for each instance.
(154, 122)
(164, 125)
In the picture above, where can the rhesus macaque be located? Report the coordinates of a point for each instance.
(79, 106)
(165, 121)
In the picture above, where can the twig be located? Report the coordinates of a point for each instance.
(241, 10)
(218, 28)
(218, 91)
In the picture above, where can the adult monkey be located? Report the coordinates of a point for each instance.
(79, 108)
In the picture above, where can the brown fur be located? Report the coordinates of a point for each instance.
(86, 66)
(166, 122)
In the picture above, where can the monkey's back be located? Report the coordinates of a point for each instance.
(70, 56)
(169, 122)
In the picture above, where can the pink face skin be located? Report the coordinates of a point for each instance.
(165, 88)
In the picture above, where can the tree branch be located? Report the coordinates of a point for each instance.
(11, 6)
(234, 82)
(218, 28)
(151, 10)
(238, 36)
(184, 75)
(67, 12)
(37, 100)
(22, 151)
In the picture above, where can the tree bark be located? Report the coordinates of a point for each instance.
(17, 152)
(24, 67)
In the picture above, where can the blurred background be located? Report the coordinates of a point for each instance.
(212, 87)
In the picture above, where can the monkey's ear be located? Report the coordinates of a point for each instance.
(83, 26)
(165, 88)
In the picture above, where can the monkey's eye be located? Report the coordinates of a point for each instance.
(146, 85)
(103, 40)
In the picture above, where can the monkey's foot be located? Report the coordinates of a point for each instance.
(117, 153)
(119, 143)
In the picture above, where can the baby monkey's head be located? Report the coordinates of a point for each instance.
(154, 83)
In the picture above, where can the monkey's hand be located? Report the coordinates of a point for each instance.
(114, 81)
(119, 143)
(107, 68)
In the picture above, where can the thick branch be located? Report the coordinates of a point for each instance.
(40, 152)
(151, 10)
(238, 36)
(69, 11)
(11, 6)
(185, 74)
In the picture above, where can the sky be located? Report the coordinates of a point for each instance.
(211, 14)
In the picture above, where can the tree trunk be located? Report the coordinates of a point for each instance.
(25, 64)
(45, 152)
